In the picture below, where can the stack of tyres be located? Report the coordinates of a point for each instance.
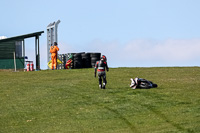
(72, 58)
(62, 58)
(86, 60)
(94, 58)
(78, 60)
(59, 57)
(66, 59)
(63, 61)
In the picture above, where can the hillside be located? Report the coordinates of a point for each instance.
(63, 101)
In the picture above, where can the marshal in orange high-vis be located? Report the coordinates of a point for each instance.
(54, 50)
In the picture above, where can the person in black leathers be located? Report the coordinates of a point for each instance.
(142, 84)
(100, 68)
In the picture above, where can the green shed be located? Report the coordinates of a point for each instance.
(12, 51)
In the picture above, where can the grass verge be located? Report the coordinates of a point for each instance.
(70, 101)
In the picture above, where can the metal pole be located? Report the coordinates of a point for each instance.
(56, 30)
(38, 53)
(51, 37)
(14, 61)
(47, 47)
(23, 51)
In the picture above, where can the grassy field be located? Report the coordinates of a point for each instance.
(62, 101)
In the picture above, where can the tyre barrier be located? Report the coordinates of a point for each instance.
(62, 58)
(72, 57)
(79, 60)
(86, 60)
(94, 58)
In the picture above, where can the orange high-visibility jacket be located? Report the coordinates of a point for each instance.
(53, 50)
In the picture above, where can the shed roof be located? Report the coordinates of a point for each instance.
(22, 37)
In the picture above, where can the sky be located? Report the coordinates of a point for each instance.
(131, 33)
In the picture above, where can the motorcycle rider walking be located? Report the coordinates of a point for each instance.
(100, 68)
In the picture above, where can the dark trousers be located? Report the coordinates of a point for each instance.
(102, 75)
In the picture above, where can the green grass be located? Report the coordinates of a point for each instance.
(63, 101)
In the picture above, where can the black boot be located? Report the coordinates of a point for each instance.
(104, 86)
(100, 86)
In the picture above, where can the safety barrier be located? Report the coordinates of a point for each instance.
(79, 60)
